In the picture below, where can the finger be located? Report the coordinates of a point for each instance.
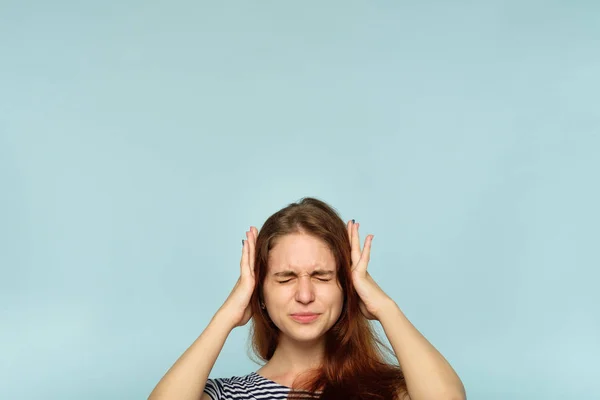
(255, 231)
(355, 244)
(366, 253)
(244, 261)
(251, 249)
(349, 229)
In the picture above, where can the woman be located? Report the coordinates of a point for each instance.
(305, 285)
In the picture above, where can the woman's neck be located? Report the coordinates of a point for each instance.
(291, 359)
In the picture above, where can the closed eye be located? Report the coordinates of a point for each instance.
(322, 280)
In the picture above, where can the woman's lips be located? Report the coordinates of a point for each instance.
(304, 318)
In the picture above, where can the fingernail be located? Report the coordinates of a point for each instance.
(353, 221)
(242, 242)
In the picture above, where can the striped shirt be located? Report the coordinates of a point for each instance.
(248, 387)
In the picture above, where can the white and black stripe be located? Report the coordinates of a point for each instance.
(248, 387)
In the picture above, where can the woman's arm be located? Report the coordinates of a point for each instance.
(186, 379)
(428, 375)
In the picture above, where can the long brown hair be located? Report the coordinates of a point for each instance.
(354, 365)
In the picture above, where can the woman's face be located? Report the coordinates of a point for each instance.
(302, 278)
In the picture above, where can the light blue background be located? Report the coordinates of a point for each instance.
(140, 139)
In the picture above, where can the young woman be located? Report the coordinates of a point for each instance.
(305, 285)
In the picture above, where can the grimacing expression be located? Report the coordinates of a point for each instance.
(302, 278)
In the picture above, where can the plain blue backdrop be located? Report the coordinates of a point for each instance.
(139, 140)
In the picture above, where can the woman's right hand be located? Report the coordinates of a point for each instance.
(237, 306)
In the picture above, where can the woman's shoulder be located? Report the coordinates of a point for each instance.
(240, 386)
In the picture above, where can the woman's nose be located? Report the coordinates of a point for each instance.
(305, 292)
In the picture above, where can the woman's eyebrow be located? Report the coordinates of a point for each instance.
(320, 272)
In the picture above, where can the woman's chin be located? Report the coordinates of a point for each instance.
(305, 334)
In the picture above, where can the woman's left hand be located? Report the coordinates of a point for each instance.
(372, 298)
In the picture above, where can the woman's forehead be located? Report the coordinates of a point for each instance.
(298, 247)
(300, 253)
(302, 263)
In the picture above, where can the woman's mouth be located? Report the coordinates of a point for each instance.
(304, 318)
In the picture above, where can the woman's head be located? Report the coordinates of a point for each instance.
(305, 242)
(302, 265)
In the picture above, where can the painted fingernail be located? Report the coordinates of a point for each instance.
(242, 242)
(353, 221)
